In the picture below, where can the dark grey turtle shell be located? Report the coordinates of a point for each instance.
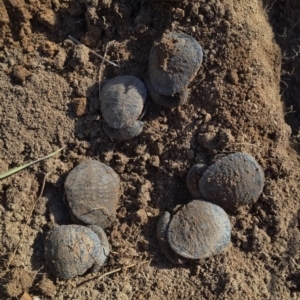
(71, 250)
(167, 101)
(192, 179)
(104, 247)
(125, 133)
(162, 236)
(92, 190)
(199, 230)
(233, 180)
(122, 101)
(174, 62)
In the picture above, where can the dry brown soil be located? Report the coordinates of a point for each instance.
(244, 98)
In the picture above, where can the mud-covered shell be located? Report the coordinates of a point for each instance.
(92, 190)
(71, 250)
(122, 100)
(162, 237)
(232, 181)
(167, 101)
(174, 62)
(104, 248)
(199, 230)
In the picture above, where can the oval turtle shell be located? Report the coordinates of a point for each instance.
(192, 179)
(174, 62)
(71, 250)
(199, 230)
(122, 100)
(92, 190)
(234, 180)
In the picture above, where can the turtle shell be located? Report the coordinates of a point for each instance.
(104, 248)
(92, 190)
(199, 230)
(233, 180)
(71, 250)
(192, 179)
(122, 100)
(174, 62)
(162, 236)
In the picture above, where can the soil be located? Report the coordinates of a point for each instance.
(245, 97)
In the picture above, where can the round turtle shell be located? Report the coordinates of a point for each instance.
(174, 62)
(92, 190)
(71, 250)
(122, 100)
(199, 230)
(233, 180)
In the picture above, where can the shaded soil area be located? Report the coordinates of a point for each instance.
(245, 97)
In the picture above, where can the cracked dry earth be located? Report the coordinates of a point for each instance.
(245, 97)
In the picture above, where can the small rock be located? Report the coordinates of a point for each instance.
(140, 149)
(60, 58)
(225, 138)
(233, 77)
(158, 148)
(208, 141)
(80, 56)
(50, 49)
(141, 217)
(154, 161)
(26, 296)
(207, 118)
(20, 73)
(48, 18)
(178, 13)
(80, 106)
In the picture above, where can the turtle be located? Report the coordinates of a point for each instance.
(192, 179)
(72, 250)
(122, 100)
(162, 237)
(197, 230)
(92, 191)
(173, 63)
(232, 181)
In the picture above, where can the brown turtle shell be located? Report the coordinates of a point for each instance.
(174, 62)
(199, 230)
(71, 250)
(92, 190)
(122, 100)
(232, 181)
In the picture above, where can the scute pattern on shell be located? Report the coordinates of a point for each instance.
(122, 100)
(71, 250)
(233, 180)
(174, 62)
(92, 190)
(198, 230)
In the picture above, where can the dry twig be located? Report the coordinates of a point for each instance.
(92, 51)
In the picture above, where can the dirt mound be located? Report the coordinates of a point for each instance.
(50, 98)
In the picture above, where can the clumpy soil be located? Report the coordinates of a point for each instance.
(245, 97)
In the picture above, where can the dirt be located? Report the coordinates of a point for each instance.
(245, 97)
